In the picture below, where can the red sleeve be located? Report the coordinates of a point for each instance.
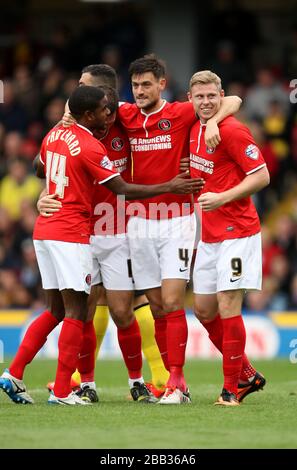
(125, 111)
(242, 148)
(99, 165)
(187, 113)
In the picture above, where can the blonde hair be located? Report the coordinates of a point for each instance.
(204, 77)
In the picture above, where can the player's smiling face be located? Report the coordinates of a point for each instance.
(206, 100)
(147, 91)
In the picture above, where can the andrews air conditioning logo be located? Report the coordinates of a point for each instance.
(164, 125)
(117, 144)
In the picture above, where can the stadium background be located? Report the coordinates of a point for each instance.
(251, 44)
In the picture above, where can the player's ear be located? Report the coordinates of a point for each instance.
(89, 115)
(222, 93)
(189, 96)
(162, 83)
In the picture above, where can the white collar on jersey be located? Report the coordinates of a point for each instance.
(85, 128)
(154, 112)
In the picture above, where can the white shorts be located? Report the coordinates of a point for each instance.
(228, 265)
(64, 265)
(161, 249)
(111, 262)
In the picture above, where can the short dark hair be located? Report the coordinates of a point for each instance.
(105, 74)
(148, 63)
(84, 98)
(112, 97)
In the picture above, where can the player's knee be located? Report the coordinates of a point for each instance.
(156, 309)
(227, 306)
(171, 304)
(202, 314)
(122, 317)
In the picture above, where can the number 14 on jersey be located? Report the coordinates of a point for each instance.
(55, 172)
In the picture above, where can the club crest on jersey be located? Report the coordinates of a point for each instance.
(88, 279)
(106, 163)
(209, 150)
(252, 152)
(164, 125)
(117, 144)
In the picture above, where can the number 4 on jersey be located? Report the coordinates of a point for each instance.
(55, 172)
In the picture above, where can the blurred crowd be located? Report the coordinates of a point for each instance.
(35, 91)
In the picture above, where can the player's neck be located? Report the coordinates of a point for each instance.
(104, 134)
(155, 107)
(85, 125)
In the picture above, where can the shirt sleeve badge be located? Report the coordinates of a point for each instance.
(252, 152)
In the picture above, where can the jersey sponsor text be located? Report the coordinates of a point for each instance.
(155, 143)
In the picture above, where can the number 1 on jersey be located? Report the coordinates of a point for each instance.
(55, 172)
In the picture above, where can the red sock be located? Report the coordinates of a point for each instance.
(86, 361)
(69, 344)
(161, 338)
(177, 336)
(215, 333)
(130, 344)
(233, 351)
(33, 341)
(247, 371)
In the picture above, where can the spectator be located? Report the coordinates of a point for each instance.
(12, 113)
(17, 186)
(261, 94)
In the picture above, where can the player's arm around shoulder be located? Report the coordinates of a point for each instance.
(67, 119)
(230, 105)
(126, 113)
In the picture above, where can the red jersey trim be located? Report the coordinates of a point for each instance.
(148, 115)
(154, 112)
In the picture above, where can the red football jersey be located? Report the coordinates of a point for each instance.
(235, 157)
(74, 162)
(106, 218)
(158, 141)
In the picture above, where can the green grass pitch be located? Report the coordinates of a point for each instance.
(266, 419)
